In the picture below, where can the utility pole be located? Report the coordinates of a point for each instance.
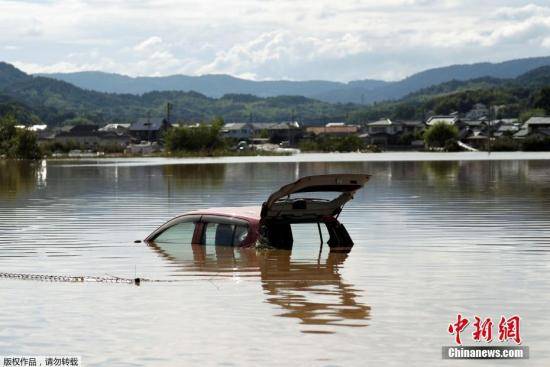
(148, 126)
(168, 111)
(490, 128)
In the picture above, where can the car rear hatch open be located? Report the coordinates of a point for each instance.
(281, 206)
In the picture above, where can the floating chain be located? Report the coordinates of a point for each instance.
(77, 279)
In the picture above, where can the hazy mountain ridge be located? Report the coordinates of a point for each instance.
(521, 97)
(535, 78)
(56, 101)
(360, 91)
(212, 85)
(36, 98)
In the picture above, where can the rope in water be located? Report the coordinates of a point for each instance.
(77, 279)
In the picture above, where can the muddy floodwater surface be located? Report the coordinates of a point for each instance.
(433, 238)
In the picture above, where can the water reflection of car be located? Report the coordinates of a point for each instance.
(306, 287)
(271, 224)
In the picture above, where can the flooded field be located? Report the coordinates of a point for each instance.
(433, 238)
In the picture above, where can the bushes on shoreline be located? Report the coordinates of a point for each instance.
(536, 144)
(49, 148)
(195, 139)
(504, 144)
(17, 143)
(349, 143)
(529, 144)
(441, 135)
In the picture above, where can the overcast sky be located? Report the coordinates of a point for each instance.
(270, 39)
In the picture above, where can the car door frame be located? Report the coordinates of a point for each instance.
(220, 219)
(175, 221)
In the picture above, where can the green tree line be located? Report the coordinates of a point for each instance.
(17, 143)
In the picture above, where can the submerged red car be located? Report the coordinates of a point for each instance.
(271, 224)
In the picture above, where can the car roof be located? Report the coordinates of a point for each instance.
(250, 213)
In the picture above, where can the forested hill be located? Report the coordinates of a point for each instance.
(528, 94)
(213, 85)
(533, 79)
(55, 101)
(359, 91)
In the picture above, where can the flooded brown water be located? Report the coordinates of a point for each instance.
(432, 239)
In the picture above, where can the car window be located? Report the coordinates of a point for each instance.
(240, 234)
(223, 234)
(178, 233)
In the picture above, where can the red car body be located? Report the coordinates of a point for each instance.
(270, 224)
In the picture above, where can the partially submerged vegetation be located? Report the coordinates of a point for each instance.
(221, 153)
(441, 135)
(536, 144)
(323, 143)
(203, 138)
(17, 143)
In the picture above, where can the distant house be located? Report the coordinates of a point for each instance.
(475, 124)
(383, 132)
(505, 127)
(332, 124)
(239, 131)
(449, 119)
(507, 121)
(149, 128)
(476, 138)
(385, 126)
(280, 131)
(333, 128)
(411, 126)
(90, 137)
(142, 148)
(535, 126)
(538, 126)
(477, 112)
(115, 127)
(522, 133)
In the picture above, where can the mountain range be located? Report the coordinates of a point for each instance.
(55, 102)
(33, 99)
(360, 91)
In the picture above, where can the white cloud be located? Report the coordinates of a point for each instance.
(32, 28)
(66, 66)
(307, 39)
(527, 30)
(522, 26)
(148, 44)
(281, 49)
(518, 13)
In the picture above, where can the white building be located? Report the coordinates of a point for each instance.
(238, 130)
(451, 120)
(385, 126)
